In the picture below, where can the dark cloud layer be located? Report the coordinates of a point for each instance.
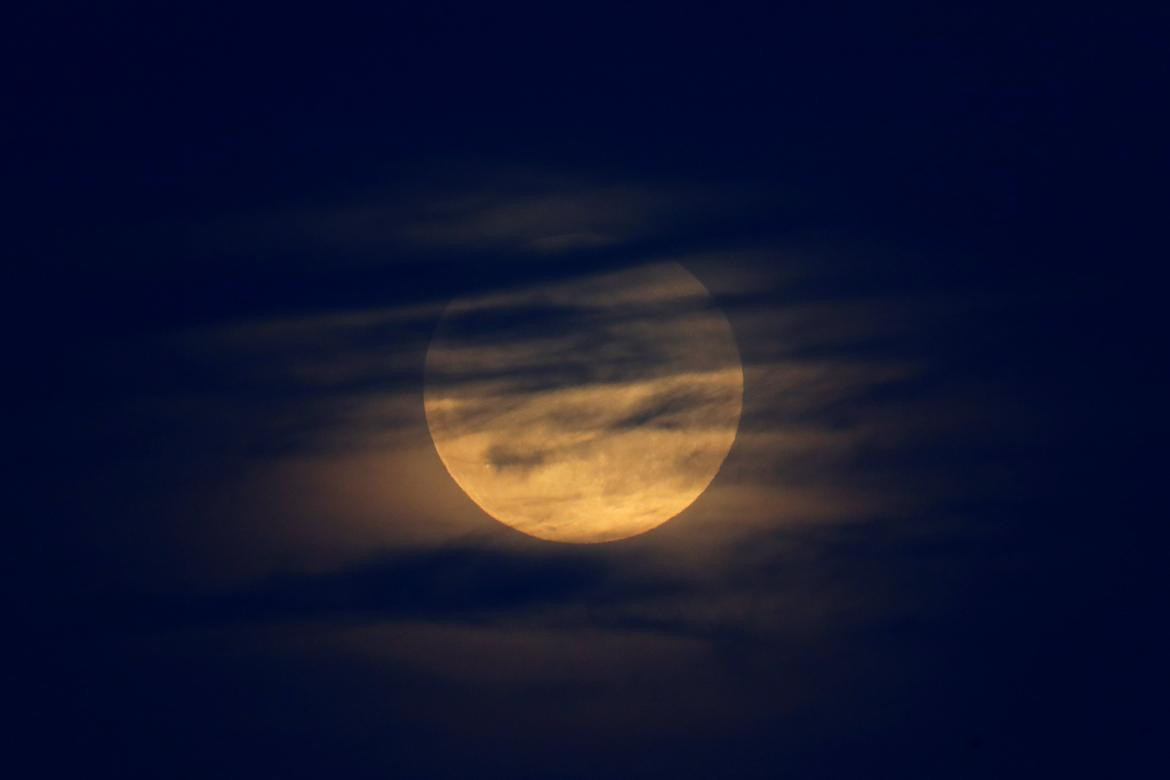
(462, 584)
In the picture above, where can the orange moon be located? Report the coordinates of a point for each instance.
(588, 410)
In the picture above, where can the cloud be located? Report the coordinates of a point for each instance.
(324, 411)
(546, 223)
(447, 583)
(522, 214)
(475, 583)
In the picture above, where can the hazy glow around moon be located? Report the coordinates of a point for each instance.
(586, 411)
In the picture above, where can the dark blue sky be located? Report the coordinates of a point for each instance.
(935, 231)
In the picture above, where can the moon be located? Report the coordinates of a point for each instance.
(588, 410)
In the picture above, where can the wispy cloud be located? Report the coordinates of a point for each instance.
(521, 214)
(341, 463)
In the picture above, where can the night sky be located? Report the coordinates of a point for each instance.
(934, 549)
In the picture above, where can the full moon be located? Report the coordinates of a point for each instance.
(585, 411)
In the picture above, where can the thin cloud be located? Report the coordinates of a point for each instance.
(324, 412)
(522, 214)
